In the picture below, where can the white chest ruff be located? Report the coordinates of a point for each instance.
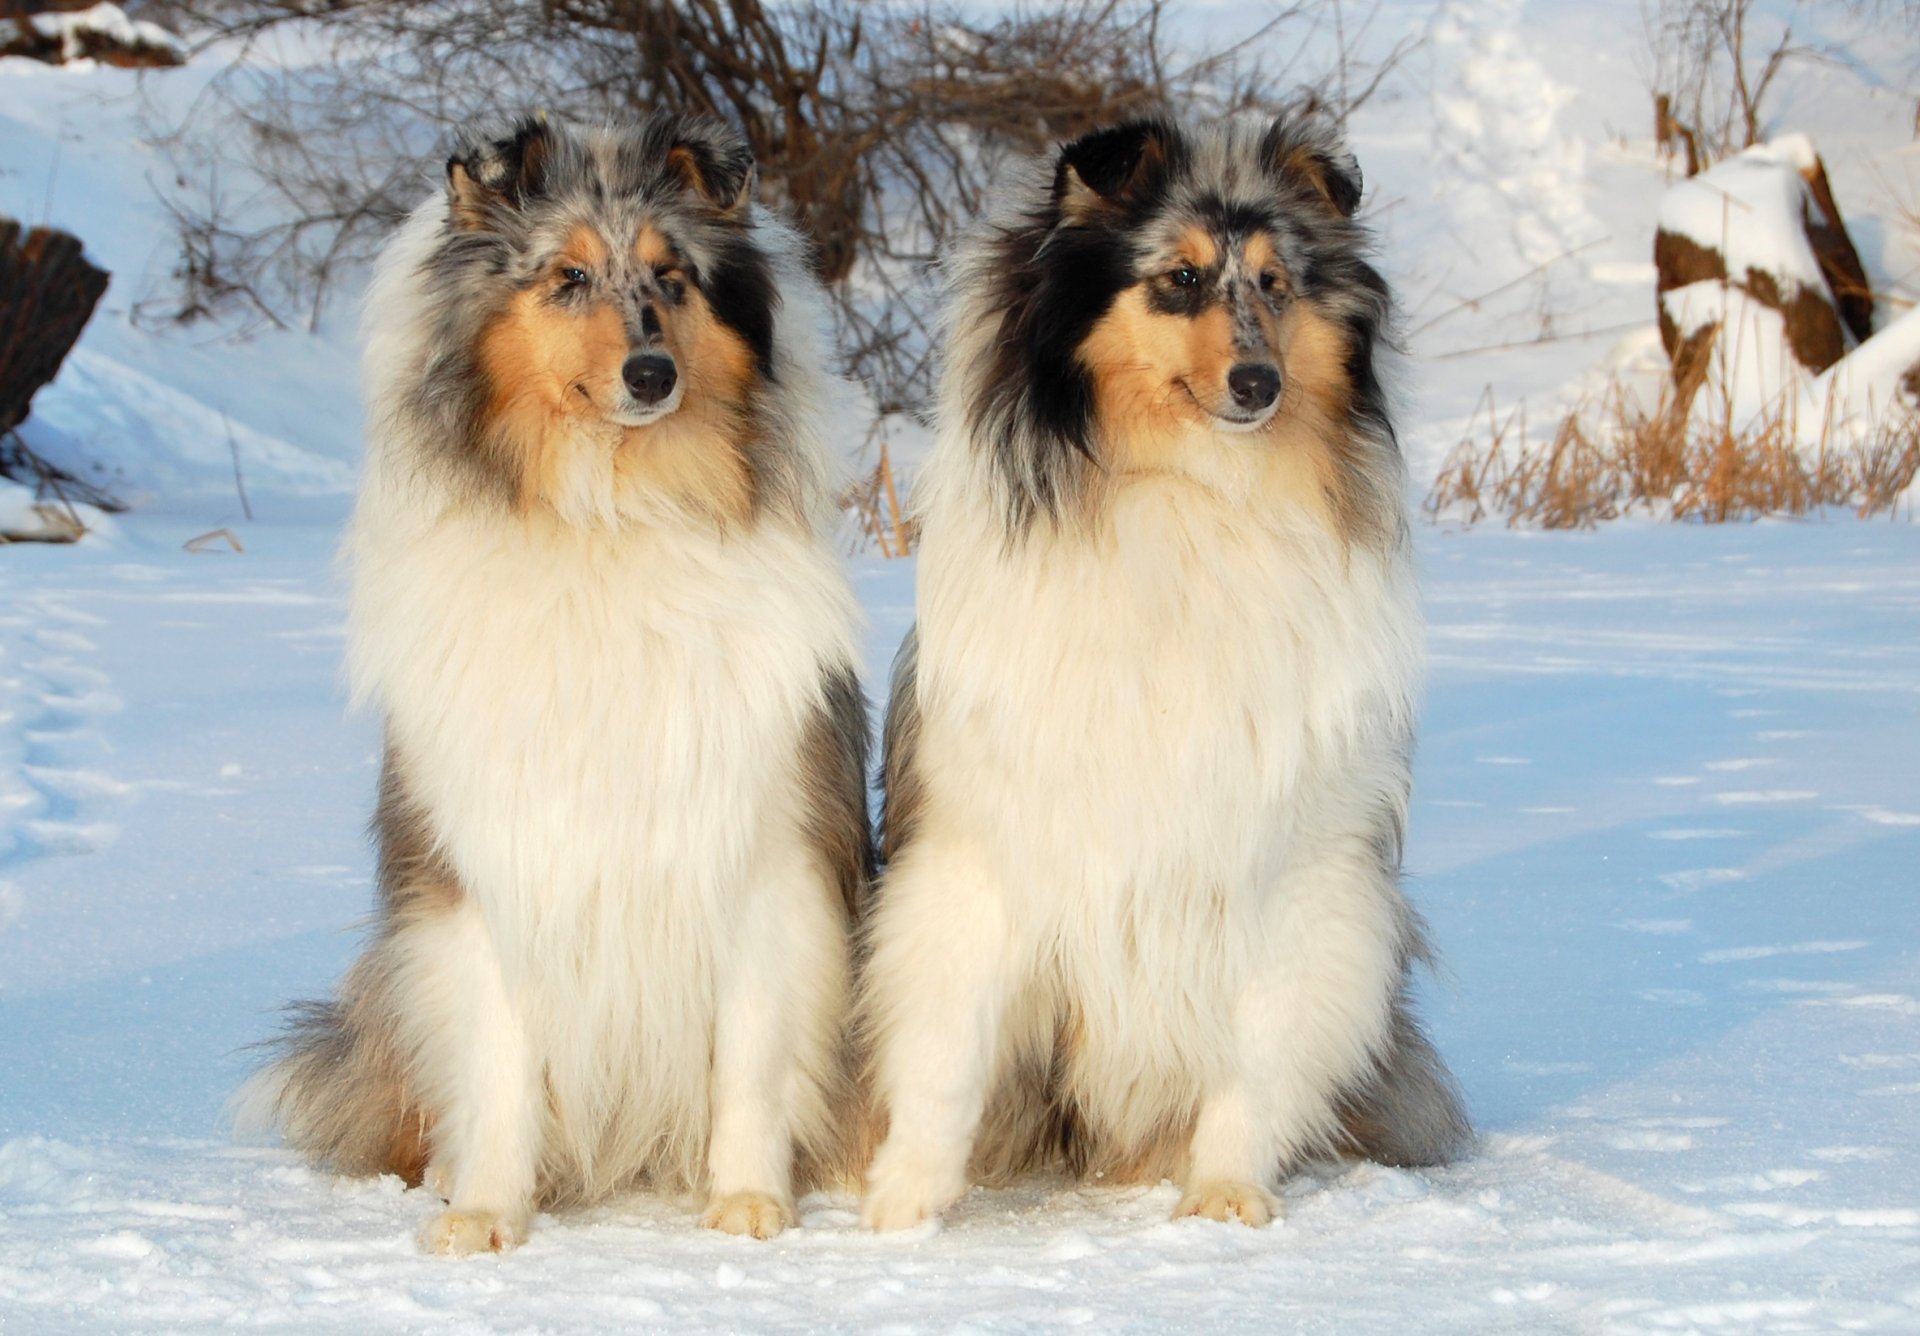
(596, 724)
(1147, 736)
(1178, 700)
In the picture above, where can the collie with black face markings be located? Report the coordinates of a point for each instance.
(621, 823)
(1147, 753)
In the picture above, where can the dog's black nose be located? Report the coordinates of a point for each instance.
(1254, 384)
(650, 377)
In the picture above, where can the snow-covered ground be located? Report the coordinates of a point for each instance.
(1666, 828)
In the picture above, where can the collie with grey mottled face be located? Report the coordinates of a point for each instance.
(621, 824)
(1147, 753)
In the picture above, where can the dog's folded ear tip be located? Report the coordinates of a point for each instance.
(1311, 150)
(490, 170)
(718, 167)
(1113, 165)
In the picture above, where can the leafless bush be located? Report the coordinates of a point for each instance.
(1713, 63)
(880, 128)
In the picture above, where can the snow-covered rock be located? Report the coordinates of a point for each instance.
(1756, 247)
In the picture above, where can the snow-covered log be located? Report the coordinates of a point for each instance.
(1754, 261)
(60, 32)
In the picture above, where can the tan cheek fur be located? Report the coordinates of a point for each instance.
(556, 374)
(550, 370)
(697, 454)
(1309, 428)
(1141, 360)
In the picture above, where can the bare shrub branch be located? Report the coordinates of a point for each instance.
(1709, 92)
(879, 128)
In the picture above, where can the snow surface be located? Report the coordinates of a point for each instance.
(1666, 830)
(1863, 386)
(1666, 825)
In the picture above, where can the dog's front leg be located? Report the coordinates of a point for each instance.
(1302, 1028)
(783, 997)
(476, 1068)
(941, 973)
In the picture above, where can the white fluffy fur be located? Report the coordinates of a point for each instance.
(1157, 752)
(647, 972)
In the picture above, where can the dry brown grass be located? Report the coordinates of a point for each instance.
(875, 502)
(1611, 456)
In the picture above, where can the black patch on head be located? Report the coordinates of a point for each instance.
(1226, 218)
(1363, 328)
(1167, 296)
(1038, 401)
(1058, 272)
(1125, 165)
(739, 287)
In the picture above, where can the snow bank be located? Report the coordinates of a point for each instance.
(1863, 389)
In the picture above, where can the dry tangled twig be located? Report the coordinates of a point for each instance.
(879, 128)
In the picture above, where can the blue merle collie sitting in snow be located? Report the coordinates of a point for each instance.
(622, 825)
(1147, 754)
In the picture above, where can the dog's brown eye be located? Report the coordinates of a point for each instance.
(1185, 276)
(574, 278)
(1269, 281)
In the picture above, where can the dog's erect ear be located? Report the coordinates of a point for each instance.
(1111, 168)
(719, 169)
(1307, 154)
(496, 174)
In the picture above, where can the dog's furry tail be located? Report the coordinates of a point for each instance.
(337, 1093)
(1407, 1111)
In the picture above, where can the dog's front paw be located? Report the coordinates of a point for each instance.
(757, 1215)
(462, 1233)
(901, 1201)
(898, 1207)
(1248, 1204)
